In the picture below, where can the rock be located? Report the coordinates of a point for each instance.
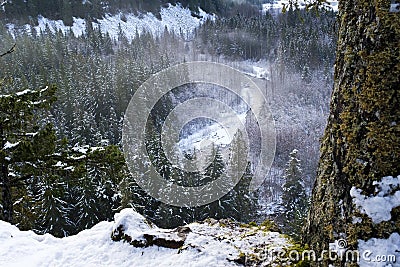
(134, 229)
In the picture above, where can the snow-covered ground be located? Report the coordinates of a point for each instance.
(175, 18)
(207, 244)
(220, 133)
(278, 5)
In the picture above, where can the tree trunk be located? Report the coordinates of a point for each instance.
(6, 196)
(361, 143)
(5, 184)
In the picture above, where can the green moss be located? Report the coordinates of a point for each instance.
(270, 226)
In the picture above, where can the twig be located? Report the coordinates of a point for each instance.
(12, 49)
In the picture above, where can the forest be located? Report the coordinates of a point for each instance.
(93, 77)
(64, 97)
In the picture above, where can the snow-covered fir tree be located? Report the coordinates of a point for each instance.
(294, 197)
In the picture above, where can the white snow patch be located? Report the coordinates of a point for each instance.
(32, 134)
(395, 7)
(356, 220)
(133, 223)
(9, 145)
(379, 206)
(220, 134)
(27, 91)
(175, 18)
(59, 164)
(377, 252)
(278, 5)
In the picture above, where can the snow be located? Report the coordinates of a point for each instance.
(32, 134)
(81, 149)
(270, 208)
(27, 91)
(379, 205)
(278, 5)
(59, 164)
(175, 18)
(134, 223)
(220, 134)
(9, 145)
(377, 252)
(356, 220)
(258, 72)
(208, 244)
(394, 7)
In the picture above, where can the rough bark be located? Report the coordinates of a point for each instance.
(361, 143)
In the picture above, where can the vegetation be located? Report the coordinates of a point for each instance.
(84, 179)
(294, 198)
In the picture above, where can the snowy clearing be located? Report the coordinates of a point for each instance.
(330, 5)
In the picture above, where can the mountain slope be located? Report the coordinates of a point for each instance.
(175, 19)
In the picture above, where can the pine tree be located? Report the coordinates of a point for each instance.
(216, 168)
(240, 204)
(53, 211)
(211, 173)
(294, 198)
(24, 142)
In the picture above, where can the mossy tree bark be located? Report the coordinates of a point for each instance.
(361, 143)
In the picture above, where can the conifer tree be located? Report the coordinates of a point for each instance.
(241, 204)
(294, 198)
(25, 144)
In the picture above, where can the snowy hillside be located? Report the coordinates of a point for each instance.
(211, 243)
(175, 18)
(278, 4)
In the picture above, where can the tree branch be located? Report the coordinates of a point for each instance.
(12, 49)
(22, 178)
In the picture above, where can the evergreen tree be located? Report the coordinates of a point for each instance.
(211, 173)
(294, 198)
(240, 204)
(25, 144)
(216, 168)
(53, 211)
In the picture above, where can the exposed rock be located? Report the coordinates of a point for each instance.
(134, 229)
